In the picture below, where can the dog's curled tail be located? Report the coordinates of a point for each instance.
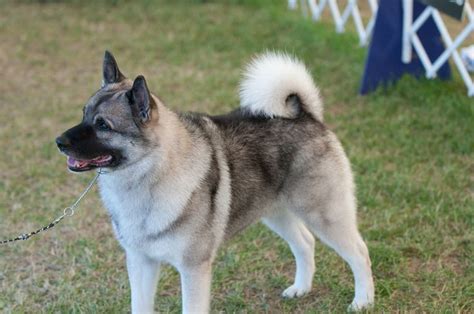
(279, 85)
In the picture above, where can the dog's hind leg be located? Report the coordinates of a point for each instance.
(339, 231)
(301, 242)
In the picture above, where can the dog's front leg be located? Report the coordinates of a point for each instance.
(143, 274)
(196, 287)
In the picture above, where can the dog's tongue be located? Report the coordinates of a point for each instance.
(74, 163)
(79, 164)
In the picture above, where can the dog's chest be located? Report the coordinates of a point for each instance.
(138, 217)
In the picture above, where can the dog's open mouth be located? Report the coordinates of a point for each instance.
(84, 165)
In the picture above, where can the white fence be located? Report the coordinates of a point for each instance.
(410, 28)
(410, 38)
(351, 9)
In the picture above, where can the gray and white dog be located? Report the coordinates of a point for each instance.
(177, 186)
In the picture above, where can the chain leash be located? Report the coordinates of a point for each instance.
(67, 212)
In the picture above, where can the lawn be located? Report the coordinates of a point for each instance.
(411, 147)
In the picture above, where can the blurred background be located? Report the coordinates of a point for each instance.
(411, 146)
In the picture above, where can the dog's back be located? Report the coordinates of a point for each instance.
(262, 156)
(274, 141)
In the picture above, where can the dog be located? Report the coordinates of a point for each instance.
(178, 185)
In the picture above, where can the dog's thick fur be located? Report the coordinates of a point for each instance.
(178, 185)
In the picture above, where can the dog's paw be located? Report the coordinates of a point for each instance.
(295, 292)
(357, 306)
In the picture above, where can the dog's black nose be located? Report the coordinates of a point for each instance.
(63, 142)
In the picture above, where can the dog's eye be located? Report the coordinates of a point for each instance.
(102, 125)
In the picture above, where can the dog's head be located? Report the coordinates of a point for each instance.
(115, 123)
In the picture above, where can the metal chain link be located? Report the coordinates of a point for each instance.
(67, 212)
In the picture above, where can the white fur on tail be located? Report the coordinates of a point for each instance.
(270, 78)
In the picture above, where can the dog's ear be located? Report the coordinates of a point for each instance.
(141, 100)
(110, 70)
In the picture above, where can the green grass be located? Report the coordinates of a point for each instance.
(411, 146)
